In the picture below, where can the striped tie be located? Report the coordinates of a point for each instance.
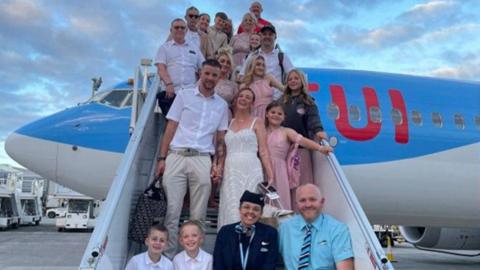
(304, 259)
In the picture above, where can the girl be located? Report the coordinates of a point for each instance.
(301, 115)
(261, 83)
(279, 140)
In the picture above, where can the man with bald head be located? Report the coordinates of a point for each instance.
(257, 9)
(312, 239)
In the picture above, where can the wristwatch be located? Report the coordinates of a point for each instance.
(161, 158)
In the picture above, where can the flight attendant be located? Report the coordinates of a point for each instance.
(248, 244)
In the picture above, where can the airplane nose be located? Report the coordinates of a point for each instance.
(36, 154)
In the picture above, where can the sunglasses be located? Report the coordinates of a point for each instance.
(193, 16)
(179, 27)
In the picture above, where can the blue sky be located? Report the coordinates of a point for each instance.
(50, 50)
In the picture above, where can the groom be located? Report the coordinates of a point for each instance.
(196, 116)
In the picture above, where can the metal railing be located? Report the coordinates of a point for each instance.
(366, 243)
(108, 246)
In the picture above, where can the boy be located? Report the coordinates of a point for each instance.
(156, 242)
(192, 256)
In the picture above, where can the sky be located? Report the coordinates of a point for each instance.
(51, 49)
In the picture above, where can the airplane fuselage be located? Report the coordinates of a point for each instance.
(410, 146)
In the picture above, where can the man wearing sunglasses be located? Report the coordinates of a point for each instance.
(178, 60)
(197, 37)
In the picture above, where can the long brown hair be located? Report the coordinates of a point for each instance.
(273, 104)
(287, 94)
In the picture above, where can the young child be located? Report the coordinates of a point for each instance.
(192, 256)
(279, 140)
(156, 242)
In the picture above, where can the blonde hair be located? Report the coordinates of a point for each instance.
(252, 16)
(287, 94)
(227, 51)
(249, 74)
(195, 223)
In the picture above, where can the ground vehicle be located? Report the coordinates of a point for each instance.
(30, 210)
(80, 213)
(9, 217)
(56, 212)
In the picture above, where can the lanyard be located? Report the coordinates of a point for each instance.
(244, 259)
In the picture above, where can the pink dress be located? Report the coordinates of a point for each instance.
(241, 47)
(263, 96)
(226, 89)
(278, 145)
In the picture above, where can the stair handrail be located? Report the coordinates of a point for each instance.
(357, 210)
(99, 237)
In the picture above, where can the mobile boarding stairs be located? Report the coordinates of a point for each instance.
(109, 247)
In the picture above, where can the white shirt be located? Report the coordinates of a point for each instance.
(182, 61)
(272, 64)
(143, 262)
(193, 38)
(199, 118)
(203, 261)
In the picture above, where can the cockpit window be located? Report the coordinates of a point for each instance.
(114, 98)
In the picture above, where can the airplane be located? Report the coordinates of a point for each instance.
(409, 145)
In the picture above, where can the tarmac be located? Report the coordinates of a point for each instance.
(44, 248)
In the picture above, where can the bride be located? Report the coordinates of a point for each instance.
(246, 140)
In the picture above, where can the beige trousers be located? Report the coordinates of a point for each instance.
(182, 172)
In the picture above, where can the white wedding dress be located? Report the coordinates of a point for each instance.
(243, 171)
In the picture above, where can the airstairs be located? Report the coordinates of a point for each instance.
(109, 247)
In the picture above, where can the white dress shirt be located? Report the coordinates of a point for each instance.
(143, 262)
(182, 61)
(199, 118)
(193, 38)
(203, 261)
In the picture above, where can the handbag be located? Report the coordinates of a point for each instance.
(151, 208)
(273, 212)
(293, 164)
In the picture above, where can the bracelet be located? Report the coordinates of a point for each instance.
(161, 158)
(168, 84)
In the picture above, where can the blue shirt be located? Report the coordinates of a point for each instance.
(331, 242)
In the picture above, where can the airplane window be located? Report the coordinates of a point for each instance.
(477, 121)
(459, 121)
(397, 117)
(354, 112)
(114, 98)
(375, 114)
(437, 119)
(417, 118)
(333, 111)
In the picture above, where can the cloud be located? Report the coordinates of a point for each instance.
(420, 20)
(465, 67)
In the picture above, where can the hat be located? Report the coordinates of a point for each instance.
(268, 28)
(222, 15)
(252, 198)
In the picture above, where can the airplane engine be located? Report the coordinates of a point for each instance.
(442, 238)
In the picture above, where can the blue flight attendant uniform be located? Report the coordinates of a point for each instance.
(263, 251)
